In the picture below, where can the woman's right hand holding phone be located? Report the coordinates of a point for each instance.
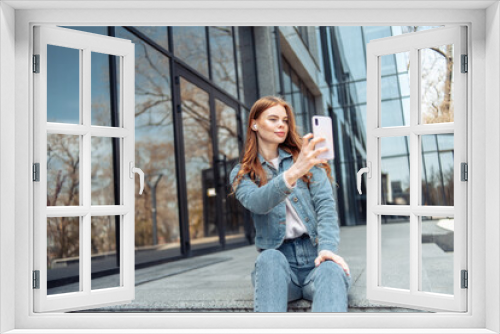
(307, 158)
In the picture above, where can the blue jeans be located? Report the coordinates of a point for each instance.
(288, 274)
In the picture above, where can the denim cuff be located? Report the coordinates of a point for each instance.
(282, 185)
(327, 246)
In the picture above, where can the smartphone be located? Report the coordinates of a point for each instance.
(322, 127)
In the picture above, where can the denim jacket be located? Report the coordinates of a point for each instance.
(315, 205)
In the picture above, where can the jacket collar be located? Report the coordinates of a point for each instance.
(282, 154)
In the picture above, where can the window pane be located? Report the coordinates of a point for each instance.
(393, 88)
(105, 263)
(437, 170)
(190, 44)
(63, 255)
(287, 81)
(227, 133)
(156, 215)
(437, 84)
(395, 171)
(351, 45)
(198, 155)
(63, 170)
(103, 151)
(63, 85)
(157, 34)
(222, 58)
(395, 252)
(100, 89)
(437, 254)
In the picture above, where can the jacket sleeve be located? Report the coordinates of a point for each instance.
(259, 200)
(326, 211)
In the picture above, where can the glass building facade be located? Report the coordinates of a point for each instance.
(194, 87)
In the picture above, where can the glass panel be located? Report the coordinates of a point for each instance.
(437, 170)
(157, 34)
(227, 132)
(395, 171)
(63, 255)
(437, 84)
(198, 160)
(287, 81)
(105, 262)
(297, 105)
(359, 89)
(437, 254)
(222, 58)
(190, 44)
(63, 85)
(102, 104)
(350, 43)
(63, 170)
(105, 151)
(156, 216)
(393, 87)
(395, 252)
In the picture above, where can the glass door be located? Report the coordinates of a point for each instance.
(209, 127)
(199, 165)
(416, 195)
(228, 143)
(84, 172)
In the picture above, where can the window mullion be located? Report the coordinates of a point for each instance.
(414, 171)
(86, 163)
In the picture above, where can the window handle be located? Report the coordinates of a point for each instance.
(139, 171)
(367, 170)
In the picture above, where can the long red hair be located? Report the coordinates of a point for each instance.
(250, 163)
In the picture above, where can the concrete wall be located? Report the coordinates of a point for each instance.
(7, 160)
(266, 62)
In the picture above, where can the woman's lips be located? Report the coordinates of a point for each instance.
(280, 134)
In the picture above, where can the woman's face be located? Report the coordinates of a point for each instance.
(272, 125)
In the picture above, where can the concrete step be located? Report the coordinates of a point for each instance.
(220, 282)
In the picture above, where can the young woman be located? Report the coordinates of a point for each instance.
(288, 191)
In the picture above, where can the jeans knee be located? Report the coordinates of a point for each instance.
(331, 270)
(271, 257)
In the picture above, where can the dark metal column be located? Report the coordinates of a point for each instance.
(179, 153)
(115, 122)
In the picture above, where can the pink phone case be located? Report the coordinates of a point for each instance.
(322, 127)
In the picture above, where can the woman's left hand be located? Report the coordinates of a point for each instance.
(326, 255)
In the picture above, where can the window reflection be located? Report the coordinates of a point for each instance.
(63, 85)
(437, 170)
(190, 45)
(227, 133)
(63, 170)
(301, 99)
(156, 211)
(222, 58)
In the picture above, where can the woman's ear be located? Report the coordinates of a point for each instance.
(254, 126)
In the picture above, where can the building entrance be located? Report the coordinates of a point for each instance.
(209, 132)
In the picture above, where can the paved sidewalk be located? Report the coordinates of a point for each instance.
(220, 282)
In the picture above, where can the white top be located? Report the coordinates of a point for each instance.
(294, 226)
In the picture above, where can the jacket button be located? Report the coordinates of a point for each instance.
(295, 199)
(307, 219)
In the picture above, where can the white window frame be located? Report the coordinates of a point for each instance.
(413, 43)
(483, 213)
(86, 44)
